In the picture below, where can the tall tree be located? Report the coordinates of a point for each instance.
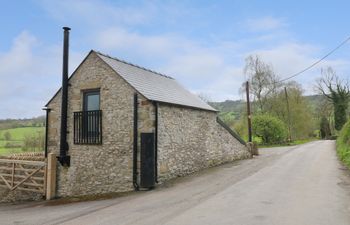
(262, 79)
(338, 92)
(299, 116)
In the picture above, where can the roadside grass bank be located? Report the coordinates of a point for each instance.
(343, 144)
(292, 143)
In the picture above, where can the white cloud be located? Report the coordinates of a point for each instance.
(20, 54)
(29, 74)
(267, 23)
(116, 38)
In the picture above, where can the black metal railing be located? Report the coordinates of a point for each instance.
(88, 127)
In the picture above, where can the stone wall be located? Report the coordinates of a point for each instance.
(190, 140)
(17, 195)
(96, 168)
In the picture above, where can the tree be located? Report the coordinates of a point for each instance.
(7, 136)
(34, 142)
(325, 130)
(269, 128)
(262, 79)
(299, 116)
(205, 97)
(338, 92)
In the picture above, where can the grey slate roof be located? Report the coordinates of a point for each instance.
(154, 86)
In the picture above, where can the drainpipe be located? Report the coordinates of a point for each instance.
(63, 158)
(136, 185)
(156, 141)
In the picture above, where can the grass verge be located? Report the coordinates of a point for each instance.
(343, 144)
(296, 142)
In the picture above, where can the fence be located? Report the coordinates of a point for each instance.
(23, 175)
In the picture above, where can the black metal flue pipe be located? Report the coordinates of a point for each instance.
(46, 129)
(135, 153)
(63, 158)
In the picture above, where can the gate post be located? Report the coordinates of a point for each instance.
(51, 176)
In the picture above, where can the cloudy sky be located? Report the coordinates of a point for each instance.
(201, 43)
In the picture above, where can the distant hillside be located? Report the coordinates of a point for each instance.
(238, 105)
(228, 105)
(16, 123)
(315, 100)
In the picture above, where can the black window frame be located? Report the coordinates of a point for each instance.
(88, 123)
(86, 93)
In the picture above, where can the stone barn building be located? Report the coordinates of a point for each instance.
(129, 127)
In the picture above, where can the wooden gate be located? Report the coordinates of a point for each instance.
(23, 175)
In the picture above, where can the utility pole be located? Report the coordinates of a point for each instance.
(289, 132)
(249, 114)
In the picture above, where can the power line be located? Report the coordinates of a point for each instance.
(315, 63)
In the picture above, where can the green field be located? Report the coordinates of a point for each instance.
(17, 139)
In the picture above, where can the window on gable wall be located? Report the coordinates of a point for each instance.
(88, 122)
(91, 100)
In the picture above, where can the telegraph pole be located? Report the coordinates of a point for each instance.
(289, 132)
(249, 114)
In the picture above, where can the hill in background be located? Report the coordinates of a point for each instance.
(237, 106)
(16, 123)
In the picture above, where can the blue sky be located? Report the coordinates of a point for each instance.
(202, 44)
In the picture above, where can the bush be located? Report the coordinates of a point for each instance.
(7, 136)
(343, 144)
(270, 129)
(33, 142)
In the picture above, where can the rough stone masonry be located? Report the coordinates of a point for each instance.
(189, 139)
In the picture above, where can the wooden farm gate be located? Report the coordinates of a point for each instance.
(23, 175)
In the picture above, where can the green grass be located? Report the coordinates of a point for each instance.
(7, 151)
(18, 134)
(343, 144)
(17, 138)
(296, 142)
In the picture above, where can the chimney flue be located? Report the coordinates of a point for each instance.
(63, 158)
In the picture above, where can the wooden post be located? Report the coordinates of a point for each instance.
(289, 129)
(249, 114)
(51, 176)
(13, 174)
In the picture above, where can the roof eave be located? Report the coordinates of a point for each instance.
(187, 106)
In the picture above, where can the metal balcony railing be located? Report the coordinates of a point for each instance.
(88, 127)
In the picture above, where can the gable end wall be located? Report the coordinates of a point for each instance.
(96, 169)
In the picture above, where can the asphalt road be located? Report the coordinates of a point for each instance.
(303, 185)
